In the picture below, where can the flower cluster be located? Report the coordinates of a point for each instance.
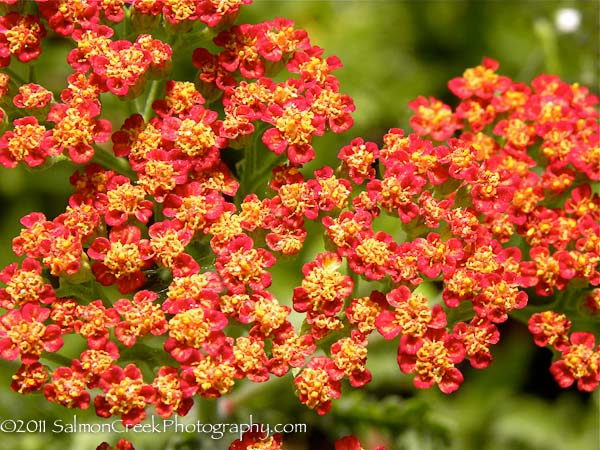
(176, 220)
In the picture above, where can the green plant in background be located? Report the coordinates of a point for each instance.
(228, 242)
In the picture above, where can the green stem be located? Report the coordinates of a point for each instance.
(32, 74)
(153, 357)
(78, 291)
(57, 359)
(545, 33)
(251, 390)
(150, 99)
(208, 414)
(110, 161)
(251, 174)
(14, 76)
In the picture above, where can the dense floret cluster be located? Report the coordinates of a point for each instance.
(179, 213)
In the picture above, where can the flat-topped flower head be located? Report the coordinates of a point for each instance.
(20, 36)
(257, 440)
(433, 118)
(550, 328)
(139, 317)
(125, 395)
(25, 143)
(23, 334)
(318, 384)
(68, 388)
(64, 16)
(242, 266)
(24, 285)
(211, 376)
(433, 360)
(169, 398)
(32, 96)
(579, 363)
(323, 288)
(481, 81)
(289, 349)
(76, 130)
(350, 355)
(29, 378)
(119, 259)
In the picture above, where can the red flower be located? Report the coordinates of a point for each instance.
(257, 438)
(350, 355)
(29, 378)
(312, 66)
(162, 172)
(433, 118)
(20, 36)
(250, 358)
(76, 130)
(210, 376)
(24, 285)
(122, 66)
(435, 256)
(359, 157)
(579, 362)
(295, 125)
(94, 321)
(140, 316)
(323, 288)
(289, 349)
(352, 443)
(166, 247)
(499, 295)
(397, 190)
(122, 444)
(64, 15)
(24, 143)
(212, 12)
(23, 333)
(372, 254)
(550, 328)
(411, 316)
(433, 360)
(120, 259)
(68, 388)
(211, 72)
(240, 51)
(477, 337)
(318, 384)
(481, 81)
(32, 96)
(169, 396)
(192, 328)
(241, 265)
(123, 200)
(126, 395)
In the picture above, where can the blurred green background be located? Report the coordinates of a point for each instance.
(392, 51)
